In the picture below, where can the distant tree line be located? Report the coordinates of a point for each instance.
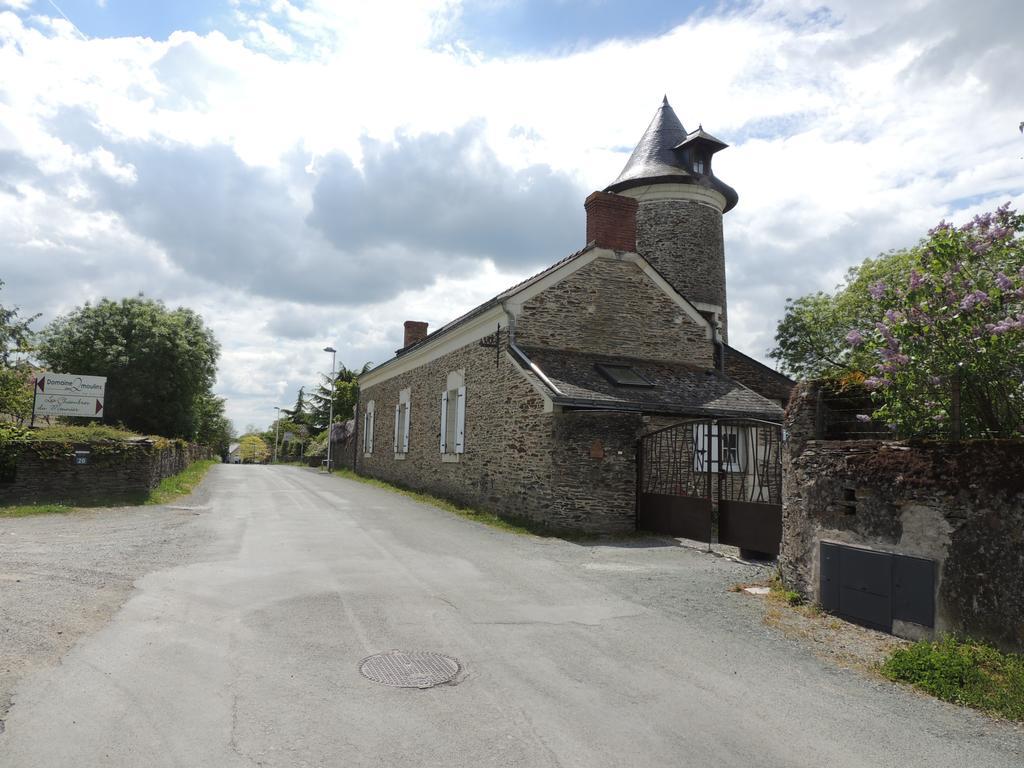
(306, 422)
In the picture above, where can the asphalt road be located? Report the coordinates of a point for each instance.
(630, 655)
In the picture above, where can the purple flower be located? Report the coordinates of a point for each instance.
(877, 289)
(854, 338)
(1006, 325)
(920, 317)
(972, 299)
(876, 382)
(916, 281)
(1003, 282)
(863, 417)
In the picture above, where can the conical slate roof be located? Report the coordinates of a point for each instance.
(655, 155)
(661, 156)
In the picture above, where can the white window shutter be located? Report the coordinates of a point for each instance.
(705, 451)
(460, 423)
(444, 420)
(405, 432)
(397, 414)
(373, 419)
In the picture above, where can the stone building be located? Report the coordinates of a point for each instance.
(531, 404)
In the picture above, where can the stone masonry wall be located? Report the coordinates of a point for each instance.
(126, 472)
(611, 307)
(758, 377)
(594, 468)
(683, 240)
(961, 505)
(499, 407)
(520, 462)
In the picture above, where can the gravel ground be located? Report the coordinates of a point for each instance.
(63, 576)
(846, 645)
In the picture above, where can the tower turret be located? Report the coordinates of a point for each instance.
(681, 202)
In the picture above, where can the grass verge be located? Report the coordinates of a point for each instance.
(963, 672)
(181, 484)
(425, 498)
(27, 510)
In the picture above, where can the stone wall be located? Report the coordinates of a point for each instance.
(594, 471)
(683, 240)
(612, 307)
(48, 472)
(520, 462)
(757, 376)
(959, 504)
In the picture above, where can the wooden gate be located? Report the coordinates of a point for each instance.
(702, 471)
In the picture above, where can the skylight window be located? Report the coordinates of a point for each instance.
(623, 375)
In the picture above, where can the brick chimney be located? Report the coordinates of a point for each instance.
(414, 331)
(611, 221)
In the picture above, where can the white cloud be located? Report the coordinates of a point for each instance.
(190, 168)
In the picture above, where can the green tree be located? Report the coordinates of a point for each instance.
(213, 428)
(299, 413)
(283, 428)
(346, 392)
(15, 375)
(810, 341)
(158, 362)
(253, 449)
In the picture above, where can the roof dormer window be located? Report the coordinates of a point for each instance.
(623, 375)
(699, 164)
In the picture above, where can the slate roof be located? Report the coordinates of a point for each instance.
(660, 157)
(678, 388)
(700, 136)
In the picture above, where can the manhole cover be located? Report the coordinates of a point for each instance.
(419, 669)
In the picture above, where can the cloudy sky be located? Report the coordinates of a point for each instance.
(308, 173)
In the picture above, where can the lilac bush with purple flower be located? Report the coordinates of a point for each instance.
(955, 322)
(913, 326)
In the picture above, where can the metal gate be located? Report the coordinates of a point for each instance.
(692, 470)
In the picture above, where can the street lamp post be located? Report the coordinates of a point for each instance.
(277, 430)
(330, 410)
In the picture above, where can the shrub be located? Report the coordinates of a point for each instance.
(963, 672)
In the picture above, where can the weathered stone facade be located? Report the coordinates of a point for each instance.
(520, 462)
(684, 241)
(757, 376)
(612, 307)
(961, 505)
(113, 471)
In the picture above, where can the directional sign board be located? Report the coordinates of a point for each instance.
(71, 384)
(66, 394)
(68, 405)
